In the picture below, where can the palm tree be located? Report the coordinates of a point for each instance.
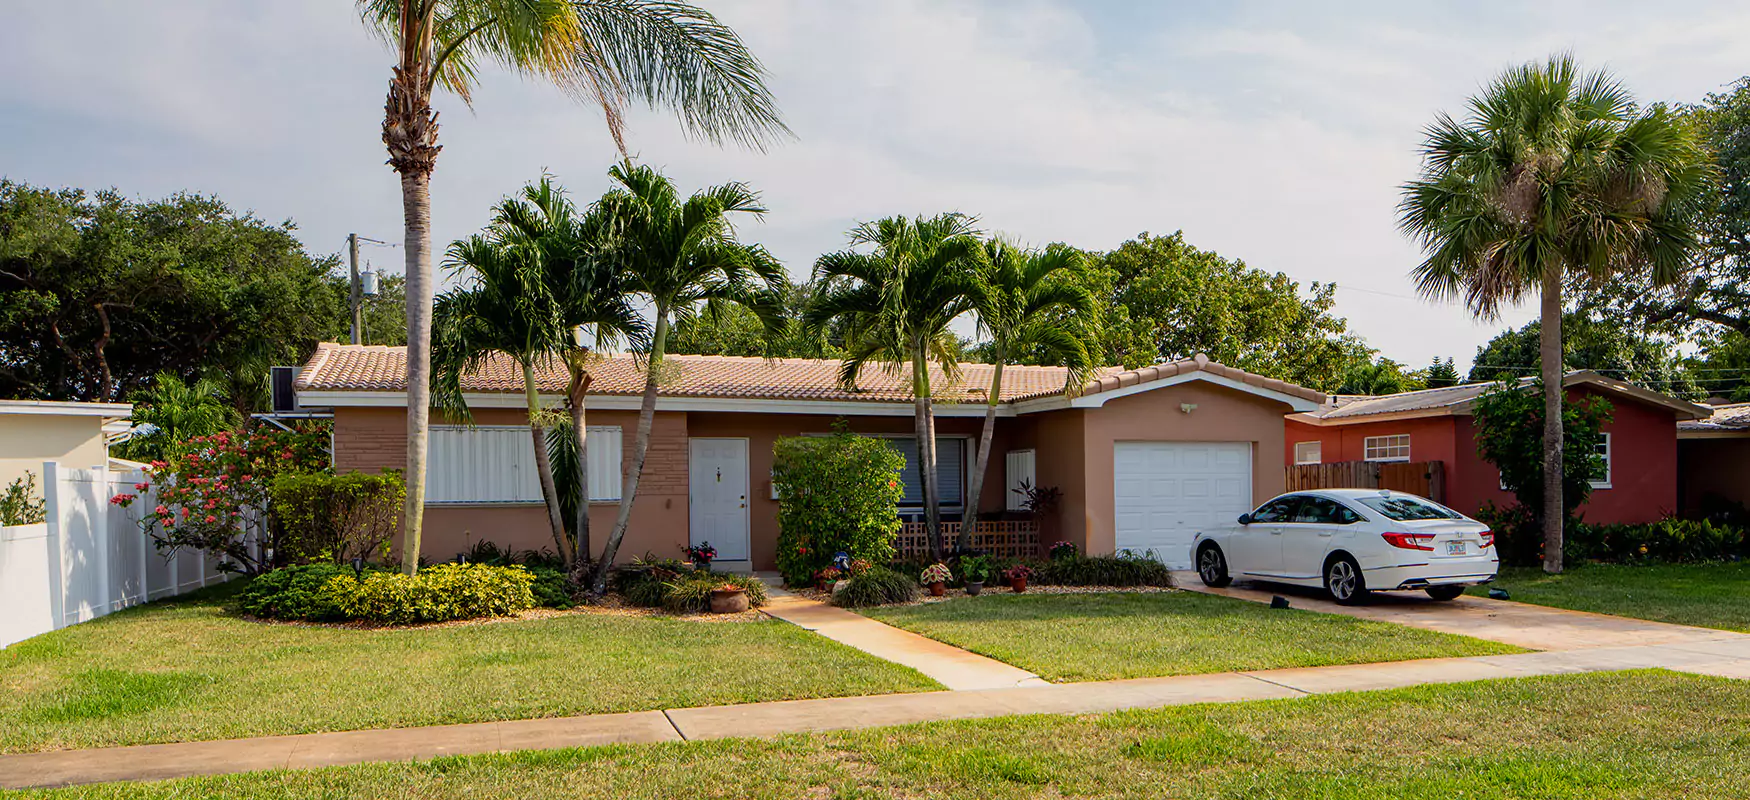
(503, 306)
(678, 256)
(176, 411)
(1023, 299)
(894, 305)
(595, 311)
(1553, 177)
(609, 52)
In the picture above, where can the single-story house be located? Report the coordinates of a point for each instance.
(73, 434)
(1143, 457)
(1713, 459)
(1637, 484)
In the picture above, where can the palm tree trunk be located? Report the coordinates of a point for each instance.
(641, 446)
(975, 487)
(416, 205)
(924, 422)
(1550, 355)
(575, 395)
(544, 465)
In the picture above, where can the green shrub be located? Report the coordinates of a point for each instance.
(551, 588)
(669, 585)
(836, 494)
(876, 586)
(21, 503)
(294, 593)
(323, 517)
(1509, 435)
(441, 593)
(1123, 569)
(1676, 541)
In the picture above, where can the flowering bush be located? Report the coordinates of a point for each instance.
(216, 492)
(701, 554)
(836, 493)
(1062, 550)
(936, 573)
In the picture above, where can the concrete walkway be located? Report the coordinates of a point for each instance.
(949, 665)
(1727, 657)
(1521, 624)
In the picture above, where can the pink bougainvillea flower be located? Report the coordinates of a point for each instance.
(211, 519)
(160, 511)
(140, 487)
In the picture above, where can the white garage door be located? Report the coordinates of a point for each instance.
(1166, 492)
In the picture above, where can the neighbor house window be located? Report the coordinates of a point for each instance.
(1387, 448)
(950, 470)
(1308, 452)
(1018, 468)
(1601, 476)
(496, 464)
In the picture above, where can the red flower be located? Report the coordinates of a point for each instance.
(140, 487)
(211, 519)
(160, 511)
(121, 499)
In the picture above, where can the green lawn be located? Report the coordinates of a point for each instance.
(1708, 595)
(1580, 737)
(180, 671)
(1085, 637)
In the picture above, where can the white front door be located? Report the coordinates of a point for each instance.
(1165, 492)
(718, 497)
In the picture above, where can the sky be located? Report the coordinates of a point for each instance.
(1277, 133)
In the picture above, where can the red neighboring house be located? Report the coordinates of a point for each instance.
(1638, 484)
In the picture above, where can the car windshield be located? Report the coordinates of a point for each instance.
(1403, 508)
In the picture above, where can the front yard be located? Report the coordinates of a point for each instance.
(1600, 736)
(180, 671)
(1087, 637)
(1706, 595)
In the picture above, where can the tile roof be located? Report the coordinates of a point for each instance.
(1728, 418)
(340, 368)
(1456, 400)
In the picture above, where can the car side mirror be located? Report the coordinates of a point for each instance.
(1245, 519)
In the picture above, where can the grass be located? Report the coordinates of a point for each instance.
(1591, 737)
(181, 671)
(1085, 637)
(1706, 595)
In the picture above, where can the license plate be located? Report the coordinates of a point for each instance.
(1455, 548)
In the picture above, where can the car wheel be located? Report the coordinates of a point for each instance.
(1344, 581)
(1444, 592)
(1212, 567)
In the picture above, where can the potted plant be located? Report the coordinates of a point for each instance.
(975, 570)
(1062, 550)
(701, 555)
(936, 577)
(1018, 575)
(823, 580)
(728, 599)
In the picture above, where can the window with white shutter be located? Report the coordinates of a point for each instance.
(496, 464)
(1018, 468)
(606, 462)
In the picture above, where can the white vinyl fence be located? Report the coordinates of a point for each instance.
(90, 558)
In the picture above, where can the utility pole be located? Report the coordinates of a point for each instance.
(358, 312)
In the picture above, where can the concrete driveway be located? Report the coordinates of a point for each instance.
(1521, 624)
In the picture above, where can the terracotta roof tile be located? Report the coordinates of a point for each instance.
(337, 367)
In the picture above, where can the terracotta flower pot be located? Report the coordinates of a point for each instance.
(728, 600)
(937, 588)
(1018, 584)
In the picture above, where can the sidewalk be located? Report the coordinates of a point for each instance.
(949, 665)
(1728, 657)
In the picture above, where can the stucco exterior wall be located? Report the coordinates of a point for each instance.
(27, 440)
(1222, 415)
(373, 439)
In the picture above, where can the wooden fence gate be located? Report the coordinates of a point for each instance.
(1426, 478)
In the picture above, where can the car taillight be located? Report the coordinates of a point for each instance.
(1488, 538)
(1410, 541)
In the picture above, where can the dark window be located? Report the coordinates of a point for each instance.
(1278, 510)
(1323, 511)
(1404, 508)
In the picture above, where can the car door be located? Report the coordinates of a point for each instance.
(1307, 540)
(1256, 547)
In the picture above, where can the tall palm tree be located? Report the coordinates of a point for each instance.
(609, 52)
(592, 307)
(680, 256)
(1023, 298)
(894, 305)
(1554, 176)
(503, 306)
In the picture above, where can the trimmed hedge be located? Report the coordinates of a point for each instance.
(876, 586)
(336, 518)
(1118, 570)
(328, 592)
(1677, 541)
(294, 593)
(836, 494)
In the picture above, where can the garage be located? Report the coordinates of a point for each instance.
(1165, 492)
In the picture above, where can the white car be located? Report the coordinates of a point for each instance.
(1351, 542)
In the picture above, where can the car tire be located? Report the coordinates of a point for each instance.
(1212, 567)
(1344, 581)
(1444, 593)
